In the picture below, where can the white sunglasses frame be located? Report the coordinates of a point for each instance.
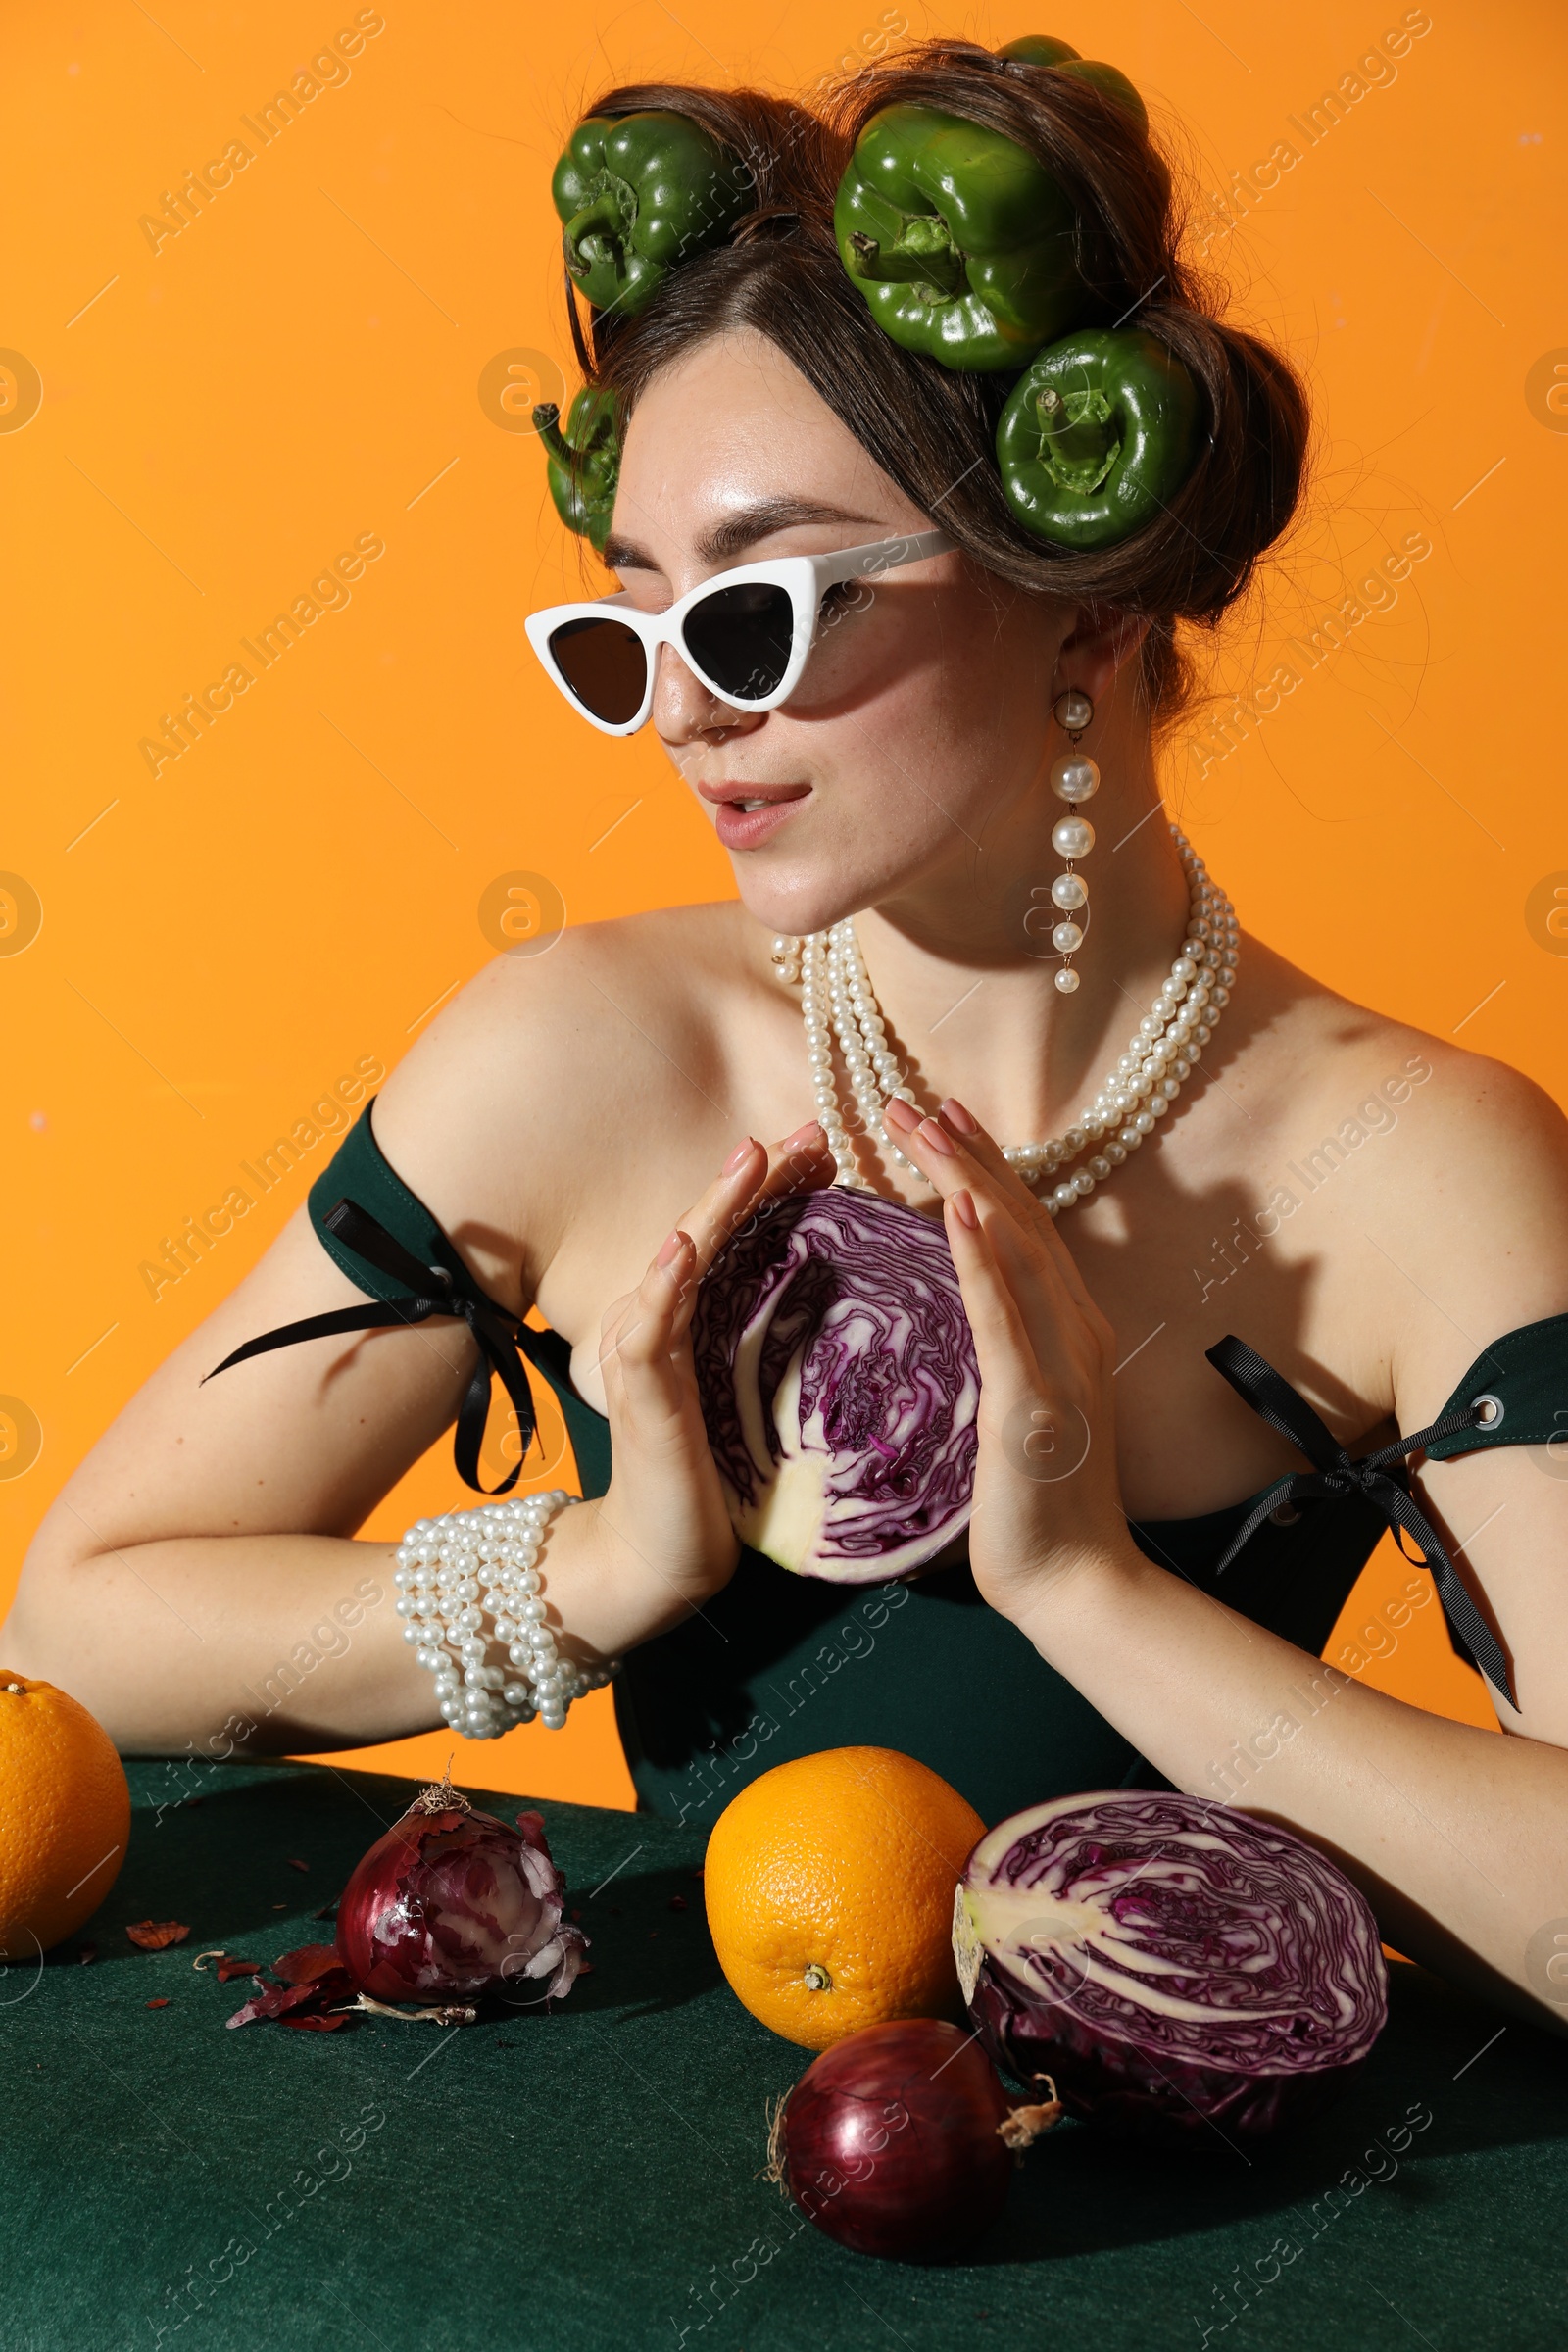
(805, 578)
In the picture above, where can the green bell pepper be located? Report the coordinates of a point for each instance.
(1097, 437)
(1039, 49)
(581, 465)
(960, 242)
(639, 193)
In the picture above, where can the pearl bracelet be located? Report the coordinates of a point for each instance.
(449, 1572)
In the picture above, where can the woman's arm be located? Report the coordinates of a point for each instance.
(198, 1568)
(197, 1583)
(1455, 1836)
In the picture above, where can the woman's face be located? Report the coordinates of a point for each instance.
(922, 722)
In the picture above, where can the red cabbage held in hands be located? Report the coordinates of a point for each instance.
(451, 1902)
(1172, 1965)
(839, 1385)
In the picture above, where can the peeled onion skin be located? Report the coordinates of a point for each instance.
(899, 2140)
(450, 1903)
(1182, 1972)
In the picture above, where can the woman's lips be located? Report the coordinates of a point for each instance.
(740, 828)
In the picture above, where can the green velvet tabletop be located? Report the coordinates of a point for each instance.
(587, 2175)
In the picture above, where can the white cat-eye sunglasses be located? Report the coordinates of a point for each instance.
(745, 633)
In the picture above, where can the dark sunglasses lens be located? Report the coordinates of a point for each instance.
(604, 663)
(741, 638)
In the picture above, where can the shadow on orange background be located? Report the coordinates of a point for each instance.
(193, 426)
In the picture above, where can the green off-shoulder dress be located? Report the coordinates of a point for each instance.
(777, 1665)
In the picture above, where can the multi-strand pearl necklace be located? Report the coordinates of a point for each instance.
(450, 1571)
(837, 1002)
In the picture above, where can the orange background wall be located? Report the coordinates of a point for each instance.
(187, 960)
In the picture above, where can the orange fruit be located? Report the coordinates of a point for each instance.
(65, 1816)
(830, 1884)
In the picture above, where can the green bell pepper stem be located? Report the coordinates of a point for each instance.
(922, 255)
(547, 424)
(1097, 437)
(606, 215)
(583, 463)
(1081, 448)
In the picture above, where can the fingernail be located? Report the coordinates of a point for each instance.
(964, 1210)
(738, 1156)
(669, 1250)
(811, 1133)
(935, 1139)
(954, 1112)
(900, 1114)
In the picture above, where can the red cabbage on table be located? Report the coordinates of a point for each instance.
(839, 1385)
(1181, 1971)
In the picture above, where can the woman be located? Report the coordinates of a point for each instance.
(553, 1137)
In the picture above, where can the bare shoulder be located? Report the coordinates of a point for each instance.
(1456, 1218)
(1479, 1188)
(525, 1078)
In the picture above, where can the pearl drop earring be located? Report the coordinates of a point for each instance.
(1074, 778)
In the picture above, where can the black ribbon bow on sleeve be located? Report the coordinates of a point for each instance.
(1385, 1487)
(434, 1289)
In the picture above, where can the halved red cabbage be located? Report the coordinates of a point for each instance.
(839, 1385)
(1171, 1964)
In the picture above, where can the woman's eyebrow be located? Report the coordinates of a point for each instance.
(742, 529)
(738, 531)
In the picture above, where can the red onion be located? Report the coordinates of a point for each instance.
(1175, 1965)
(452, 1902)
(895, 2140)
(839, 1385)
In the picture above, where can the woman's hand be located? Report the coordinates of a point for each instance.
(663, 1512)
(1047, 1493)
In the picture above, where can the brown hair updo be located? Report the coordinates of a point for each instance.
(932, 429)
